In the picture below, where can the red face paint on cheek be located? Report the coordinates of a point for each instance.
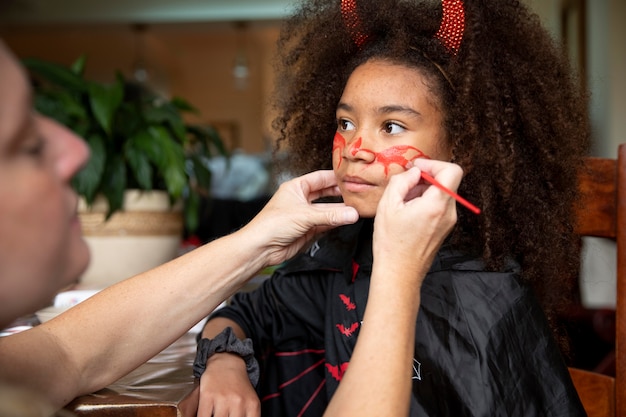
(399, 155)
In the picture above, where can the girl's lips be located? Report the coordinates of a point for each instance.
(356, 184)
(356, 180)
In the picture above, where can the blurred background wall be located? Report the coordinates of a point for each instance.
(220, 64)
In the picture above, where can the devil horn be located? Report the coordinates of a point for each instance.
(450, 31)
(352, 21)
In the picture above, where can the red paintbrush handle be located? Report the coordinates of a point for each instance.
(454, 195)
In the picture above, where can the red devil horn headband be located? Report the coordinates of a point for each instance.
(352, 21)
(450, 31)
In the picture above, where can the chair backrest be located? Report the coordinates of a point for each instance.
(602, 213)
(596, 391)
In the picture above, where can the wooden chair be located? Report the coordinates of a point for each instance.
(603, 214)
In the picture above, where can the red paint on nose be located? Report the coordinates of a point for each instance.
(339, 143)
(356, 146)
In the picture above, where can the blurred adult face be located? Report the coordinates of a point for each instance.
(41, 247)
(386, 117)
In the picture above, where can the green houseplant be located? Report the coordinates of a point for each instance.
(137, 139)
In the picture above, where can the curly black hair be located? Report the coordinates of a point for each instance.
(515, 116)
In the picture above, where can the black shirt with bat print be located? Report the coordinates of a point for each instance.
(482, 345)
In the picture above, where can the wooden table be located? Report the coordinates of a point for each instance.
(162, 387)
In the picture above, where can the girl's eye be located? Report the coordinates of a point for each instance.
(345, 125)
(393, 128)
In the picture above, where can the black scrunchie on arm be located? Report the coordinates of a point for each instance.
(226, 341)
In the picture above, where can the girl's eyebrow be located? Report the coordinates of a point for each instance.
(399, 109)
(384, 109)
(344, 106)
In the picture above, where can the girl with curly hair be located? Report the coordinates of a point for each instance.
(366, 87)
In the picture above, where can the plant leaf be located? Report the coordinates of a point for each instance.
(209, 137)
(104, 101)
(78, 66)
(56, 74)
(166, 113)
(183, 105)
(200, 173)
(139, 162)
(190, 212)
(128, 120)
(171, 161)
(60, 105)
(114, 183)
(88, 179)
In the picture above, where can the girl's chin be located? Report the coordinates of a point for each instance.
(366, 207)
(365, 212)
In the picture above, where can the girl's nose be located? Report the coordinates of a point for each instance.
(357, 151)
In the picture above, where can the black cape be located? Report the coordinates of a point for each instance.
(482, 344)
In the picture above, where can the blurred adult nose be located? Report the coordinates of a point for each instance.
(69, 152)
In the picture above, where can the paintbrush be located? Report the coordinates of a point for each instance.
(451, 193)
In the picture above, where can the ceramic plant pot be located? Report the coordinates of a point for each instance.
(144, 235)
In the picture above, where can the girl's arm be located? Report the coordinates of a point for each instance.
(378, 379)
